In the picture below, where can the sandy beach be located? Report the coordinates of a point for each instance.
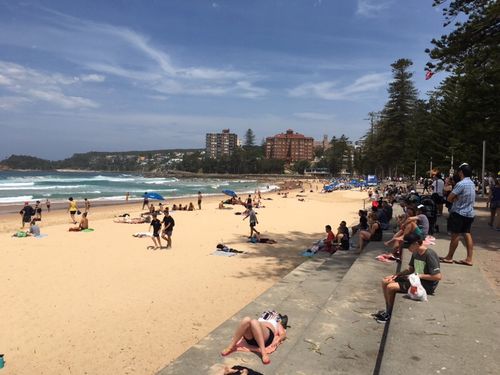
(101, 303)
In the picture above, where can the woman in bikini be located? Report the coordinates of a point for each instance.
(256, 332)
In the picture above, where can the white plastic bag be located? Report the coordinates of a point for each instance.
(416, 290)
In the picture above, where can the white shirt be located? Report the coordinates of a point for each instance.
(438, 186)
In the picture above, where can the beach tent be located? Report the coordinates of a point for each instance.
(154, 196)
(371, 180)
(230, 193)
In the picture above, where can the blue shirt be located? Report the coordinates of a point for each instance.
(465, 191)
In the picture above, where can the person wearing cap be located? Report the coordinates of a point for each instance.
(461, 217)
(424, 262)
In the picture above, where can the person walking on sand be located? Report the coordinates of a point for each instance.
(87, 205)
(156, 224)
(38, 211)
(461, 217)
(168, 227)
(73, 209)
(253, 221)
(26, 213)
(199, 200)
(126, 196)
(47, 204)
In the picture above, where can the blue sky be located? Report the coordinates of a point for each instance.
(120, 75)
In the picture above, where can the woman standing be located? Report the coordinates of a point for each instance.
(73, 209)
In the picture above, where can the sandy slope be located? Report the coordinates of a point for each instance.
(100, 303)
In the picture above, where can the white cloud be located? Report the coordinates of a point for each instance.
(111, 50)
(372, 8)
(314, 116)
(30, 85)
(330, 90)
(92, 78)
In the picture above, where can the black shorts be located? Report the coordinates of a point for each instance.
(268, 342)
(459, 224)
(252, 224)
(156, 234)
(72, 212)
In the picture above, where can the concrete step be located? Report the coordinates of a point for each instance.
(300, 295)
(343, 338)
(455, 332)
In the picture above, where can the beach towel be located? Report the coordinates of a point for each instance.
(307, 253)
(279, 337)
(88, 230)
(41, 236)
(223, 253)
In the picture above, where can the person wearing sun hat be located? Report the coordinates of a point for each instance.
(424, 262)
(462, 197)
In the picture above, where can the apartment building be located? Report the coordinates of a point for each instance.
(220, 144)
(290, 146)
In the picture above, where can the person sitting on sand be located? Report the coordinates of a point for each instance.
(424, 262)
(84, 224)
(174, 207)
(191, 206)
(374, 232)
(257, 332)
(34, 229)
(221, 205)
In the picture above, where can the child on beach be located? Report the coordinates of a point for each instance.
(87, 205)
(47, 204)
(156, 224)
(168, 227)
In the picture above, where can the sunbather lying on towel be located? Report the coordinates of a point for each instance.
(262, 335)
(133, 220)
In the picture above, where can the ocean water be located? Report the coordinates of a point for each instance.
(17, 186)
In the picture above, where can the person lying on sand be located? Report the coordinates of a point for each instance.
(133, 220)
(84, 224)
(258, 239)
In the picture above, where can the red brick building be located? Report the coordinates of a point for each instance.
(290, 146)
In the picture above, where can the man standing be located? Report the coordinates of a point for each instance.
(145, 201)
(168, 227)
(438, 192)
(26, 213)
(461, 217)
(424, 262)
(199, 200)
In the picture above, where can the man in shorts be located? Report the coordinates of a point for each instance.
(156, 224)
(461, 217)
(424, 262)
(168, 227)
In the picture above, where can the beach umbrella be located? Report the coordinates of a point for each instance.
(230, 193)
(154, 196)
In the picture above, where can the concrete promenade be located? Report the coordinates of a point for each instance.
(329, 301)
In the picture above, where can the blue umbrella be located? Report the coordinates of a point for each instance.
(230, 193)
(154, 196)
